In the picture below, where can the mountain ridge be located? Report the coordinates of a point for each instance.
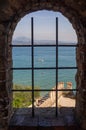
(25, 40)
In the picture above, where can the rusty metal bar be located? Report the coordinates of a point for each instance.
(47, 45)
(56, 67)
(32, 42)
(38, 68)
(44, 90)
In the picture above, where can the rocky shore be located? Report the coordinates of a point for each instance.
(65, 98)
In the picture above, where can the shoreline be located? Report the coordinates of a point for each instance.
(65, 98)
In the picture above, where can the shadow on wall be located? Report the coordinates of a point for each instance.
(43, 117)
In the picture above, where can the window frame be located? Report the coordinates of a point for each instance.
(41, 68)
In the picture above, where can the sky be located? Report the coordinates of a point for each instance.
(45, 27)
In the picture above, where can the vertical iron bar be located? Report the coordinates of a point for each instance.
(56, 66)
(32, 42)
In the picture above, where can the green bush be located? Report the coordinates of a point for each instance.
(23, 99)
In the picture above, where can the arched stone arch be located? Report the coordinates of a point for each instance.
(70, 14)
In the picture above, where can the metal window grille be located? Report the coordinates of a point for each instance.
(32, 68)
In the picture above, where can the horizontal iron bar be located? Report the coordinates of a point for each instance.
(38, 68)
(35, 90)
(47, 45)
(21, 45)
(67, 68)
(70, 45)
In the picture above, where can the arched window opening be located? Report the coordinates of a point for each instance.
(39, 62)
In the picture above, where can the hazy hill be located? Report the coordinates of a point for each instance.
(25, 40)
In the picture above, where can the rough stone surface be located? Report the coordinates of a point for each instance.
(21, 117)
(11, 11)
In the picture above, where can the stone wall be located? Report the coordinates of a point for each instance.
(81, 85)
(5, 79)
(53, 93)
(11, 12)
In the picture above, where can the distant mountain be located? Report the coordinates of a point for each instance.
(25, 40)
(21, 40)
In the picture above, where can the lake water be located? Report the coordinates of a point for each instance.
(44, 57)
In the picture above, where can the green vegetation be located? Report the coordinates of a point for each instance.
(23, 99)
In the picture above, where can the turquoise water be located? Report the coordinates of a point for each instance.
(44, 57)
